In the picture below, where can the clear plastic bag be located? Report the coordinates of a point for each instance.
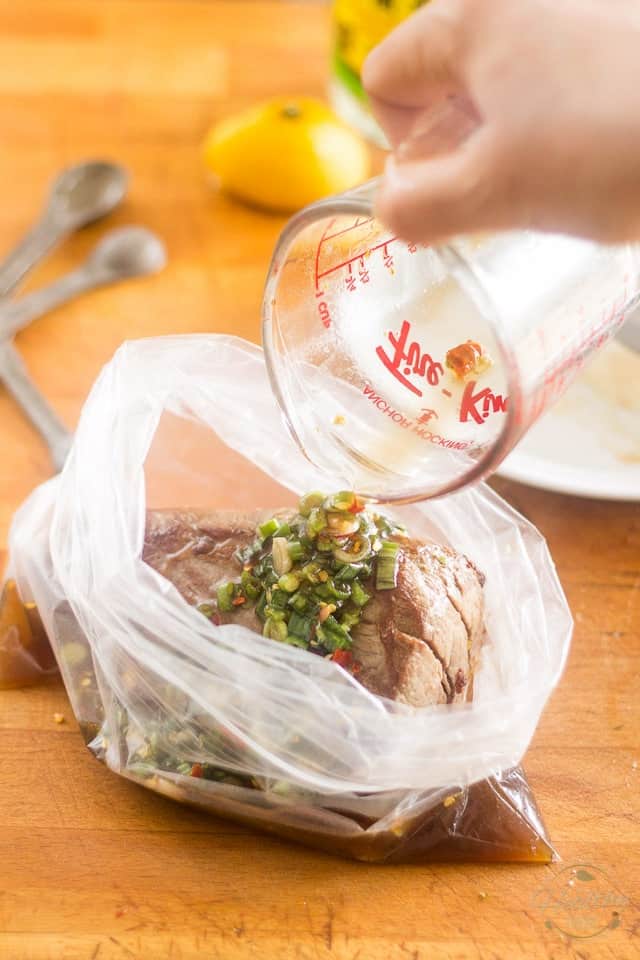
(298, 746)
(26, 656)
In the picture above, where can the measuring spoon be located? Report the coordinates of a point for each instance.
(121, 253)
(80, 195)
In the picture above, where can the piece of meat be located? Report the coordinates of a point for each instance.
(416, 644)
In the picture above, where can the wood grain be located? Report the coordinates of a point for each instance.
(94, 867)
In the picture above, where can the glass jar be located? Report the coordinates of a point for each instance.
(359, 26)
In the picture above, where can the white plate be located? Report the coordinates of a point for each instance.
(589, 443)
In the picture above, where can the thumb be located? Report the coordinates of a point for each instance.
(451, 193)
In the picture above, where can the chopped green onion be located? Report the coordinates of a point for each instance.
(344, 500)
(268, 529)
(206, 609)
(333, 636)
(388, 527)
(250, 585)
(316, 522)
(329, 591)
(224, 597)
(282, 562)
(387, 566)
(274, 614)
(310, 501)
(142, 770)
(350, 618)
(349, 571)
(261, 606)
(324, 544)
(342, 524)
(296, 550)
(294, 641)
(275, 630)
(357, 550)
(288, 582)
(359, 595)
(305, 575)
(299, 602)
(310, 572)
(279, 600)
(267, 574)
(301, 626)
(245, 554)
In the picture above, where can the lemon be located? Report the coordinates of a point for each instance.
(286, 153)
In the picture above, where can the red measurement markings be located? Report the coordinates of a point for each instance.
(339, 233)
(319, 248)
(322, 306)
(358, 256)
(350, 280)
(363, 273)
(566, 367)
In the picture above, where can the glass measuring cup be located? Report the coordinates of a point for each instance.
(364, 337)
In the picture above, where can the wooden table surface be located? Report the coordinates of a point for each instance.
(94, 867)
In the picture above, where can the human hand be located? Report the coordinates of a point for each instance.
(532, 116)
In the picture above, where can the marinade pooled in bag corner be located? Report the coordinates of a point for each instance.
(333, 673)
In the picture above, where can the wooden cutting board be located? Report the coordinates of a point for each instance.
(94, 868)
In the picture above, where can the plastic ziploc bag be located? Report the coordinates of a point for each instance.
(289, 741)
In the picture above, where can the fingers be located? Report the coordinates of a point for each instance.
(415, 67)
(458, 192)
(417, 62)
(445, 177)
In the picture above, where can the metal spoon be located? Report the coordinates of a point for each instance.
(79, 196)
(121, 253)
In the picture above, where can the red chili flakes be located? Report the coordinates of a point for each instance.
(196, 770)
(238, 601)
(344, 658)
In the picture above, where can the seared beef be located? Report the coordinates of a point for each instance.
(416, 644)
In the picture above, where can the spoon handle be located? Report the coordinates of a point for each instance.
(17, 314)
(41, 414)
(31, 249)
